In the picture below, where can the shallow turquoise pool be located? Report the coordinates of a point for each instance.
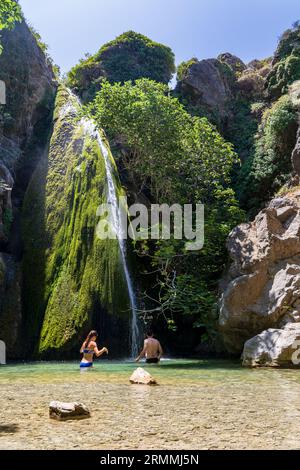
(199, 404)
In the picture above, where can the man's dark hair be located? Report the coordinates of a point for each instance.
(149, 333)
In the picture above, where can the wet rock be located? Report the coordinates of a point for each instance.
(64, 411)
(261, 289)
(140, 376)
(273, 347)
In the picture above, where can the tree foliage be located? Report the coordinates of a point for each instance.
(174, 158)
(270, 165)
(10, 13)
(130, 56)
(184, 67)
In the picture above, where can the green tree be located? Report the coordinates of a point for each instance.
(10, 13)
(173, 157)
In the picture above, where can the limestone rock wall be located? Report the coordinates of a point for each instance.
(261, 289)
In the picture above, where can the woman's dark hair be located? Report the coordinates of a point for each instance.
(89, 336)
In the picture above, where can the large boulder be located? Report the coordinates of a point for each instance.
(261, 289)
(208, 85)
(274, 347)
(130, 56)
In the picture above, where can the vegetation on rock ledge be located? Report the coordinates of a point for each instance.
(128, 57)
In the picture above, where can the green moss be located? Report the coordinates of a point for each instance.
(75, 271)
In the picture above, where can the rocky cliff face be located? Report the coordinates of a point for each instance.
(262, 287)
(24, 130)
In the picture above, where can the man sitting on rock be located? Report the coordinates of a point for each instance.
(152, 349)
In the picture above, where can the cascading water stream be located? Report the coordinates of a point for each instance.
(112, 200)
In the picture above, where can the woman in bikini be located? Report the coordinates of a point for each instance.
(89, 348)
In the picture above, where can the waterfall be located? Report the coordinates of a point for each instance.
(112, 199)
(117, 226)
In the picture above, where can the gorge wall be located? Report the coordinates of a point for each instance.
(25, 125)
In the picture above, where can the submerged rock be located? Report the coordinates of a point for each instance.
(141, 376)
(273, 347)
(261, 289)
(63, 411)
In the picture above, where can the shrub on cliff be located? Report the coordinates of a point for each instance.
(284, 74)
(270, 165)
(129, 57)
(184, 67)
(286, 64)
(45, 48)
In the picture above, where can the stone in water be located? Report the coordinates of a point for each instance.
(63, 411)
(140, 376)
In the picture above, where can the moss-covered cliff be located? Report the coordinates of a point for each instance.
(72, 280)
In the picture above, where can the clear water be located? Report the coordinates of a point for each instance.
(197, 405)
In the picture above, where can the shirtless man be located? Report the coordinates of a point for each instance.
(152, 350)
